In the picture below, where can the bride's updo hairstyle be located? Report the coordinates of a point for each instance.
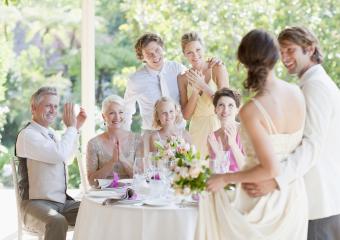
(258, 52)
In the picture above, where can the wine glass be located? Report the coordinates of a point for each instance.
(138, 170)
(149, 165)
(138, 173)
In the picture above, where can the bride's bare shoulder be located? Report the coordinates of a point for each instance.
(248, 110)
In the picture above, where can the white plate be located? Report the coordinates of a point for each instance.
(128, 201)
(104, 182)
(121, 187)
(157, 202)
(103, 194)
(127, 181)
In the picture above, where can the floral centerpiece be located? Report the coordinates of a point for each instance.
(190, 172)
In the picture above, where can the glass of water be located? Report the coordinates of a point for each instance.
(138, 175)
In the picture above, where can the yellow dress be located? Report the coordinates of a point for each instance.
(203, 121)
(280, 215)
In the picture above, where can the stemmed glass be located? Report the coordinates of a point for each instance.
(139, 181)
(149, 166)
(156, 172)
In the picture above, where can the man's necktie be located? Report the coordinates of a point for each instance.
(51, 135)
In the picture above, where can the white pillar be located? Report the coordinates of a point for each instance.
(87, 72)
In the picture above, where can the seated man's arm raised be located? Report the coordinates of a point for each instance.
(37, 147)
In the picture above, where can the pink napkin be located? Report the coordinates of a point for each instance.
(129, 194)
(195, 197)
(156, 177)
(115, 180)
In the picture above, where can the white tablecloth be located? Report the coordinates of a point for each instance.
(130, 222)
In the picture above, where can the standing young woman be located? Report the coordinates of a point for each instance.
(197, 87)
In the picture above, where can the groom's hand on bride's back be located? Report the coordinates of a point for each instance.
(260, 189)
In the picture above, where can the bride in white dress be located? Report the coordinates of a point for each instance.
(271, 127)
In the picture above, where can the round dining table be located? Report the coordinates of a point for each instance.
(137, 221)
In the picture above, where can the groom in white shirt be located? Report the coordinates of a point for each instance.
(45, 206)
(318, 156)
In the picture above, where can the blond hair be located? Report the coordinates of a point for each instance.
(156, 122)
(190, 37)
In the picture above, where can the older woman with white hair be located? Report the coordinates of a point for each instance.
(114, 150)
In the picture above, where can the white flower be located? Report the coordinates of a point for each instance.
(181, 141)
(178, 191)
(204, 163)
(193, 149)
(169, 153)
(184, 172)
(176, 178)
(186, 191)
(177, 169)
(194, 171)
(187, 147)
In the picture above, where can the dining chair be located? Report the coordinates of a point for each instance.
(21, 226)
(22, 229)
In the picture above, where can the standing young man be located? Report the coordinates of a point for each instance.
(318, 156)
(156, 78)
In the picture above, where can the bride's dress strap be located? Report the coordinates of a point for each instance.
(268, 119)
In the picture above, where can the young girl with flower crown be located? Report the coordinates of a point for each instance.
(226, 139)
(166, 115)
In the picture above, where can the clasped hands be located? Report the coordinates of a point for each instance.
(216, 144)
(116, 153)
(196, 78)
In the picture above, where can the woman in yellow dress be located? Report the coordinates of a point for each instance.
(197, 87)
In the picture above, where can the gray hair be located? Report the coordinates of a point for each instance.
(37, 96)
(112, 99)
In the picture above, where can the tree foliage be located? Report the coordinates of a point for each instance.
(40, 42)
